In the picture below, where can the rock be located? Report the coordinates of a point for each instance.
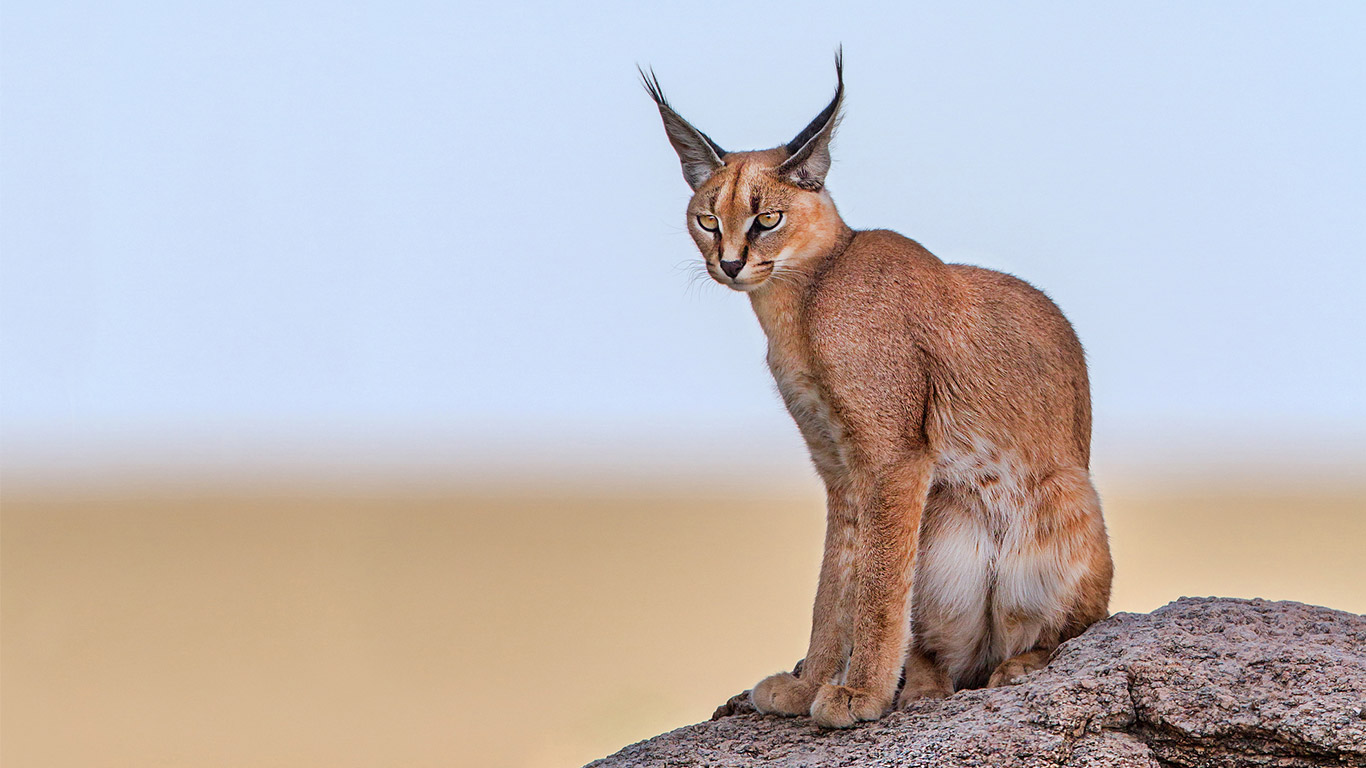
(1200, 682)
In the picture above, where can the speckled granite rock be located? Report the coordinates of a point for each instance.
(1200, 682)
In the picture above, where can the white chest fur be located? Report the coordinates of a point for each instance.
(809, 406)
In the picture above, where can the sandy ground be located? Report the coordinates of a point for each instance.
(291, 626)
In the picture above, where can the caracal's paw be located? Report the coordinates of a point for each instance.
(783, 694)
(839, 706)
(915, 690)
(1011, 670)
(1008, 673)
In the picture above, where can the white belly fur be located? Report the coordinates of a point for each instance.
(984, 588)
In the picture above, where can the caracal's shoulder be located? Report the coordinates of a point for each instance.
(880, 277)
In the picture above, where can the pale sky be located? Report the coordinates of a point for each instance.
(388, 230)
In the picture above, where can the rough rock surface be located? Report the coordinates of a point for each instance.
(1199, 682)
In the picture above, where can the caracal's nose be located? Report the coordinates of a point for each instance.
(732, 268)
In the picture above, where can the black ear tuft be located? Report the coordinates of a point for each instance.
(651, 82)
(808, 153)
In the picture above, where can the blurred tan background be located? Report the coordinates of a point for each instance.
(526, 625)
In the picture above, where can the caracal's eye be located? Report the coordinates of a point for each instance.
(768, 220)
(708, 222)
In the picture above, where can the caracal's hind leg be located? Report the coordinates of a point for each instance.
(1053, 578)
(1090, 545)
(925, 679)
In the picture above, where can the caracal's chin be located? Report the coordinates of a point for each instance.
(745, 286)
(742, 283)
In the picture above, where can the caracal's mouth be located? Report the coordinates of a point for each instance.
(748, 280)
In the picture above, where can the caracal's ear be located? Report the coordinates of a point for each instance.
(808, 155)
(698, 153)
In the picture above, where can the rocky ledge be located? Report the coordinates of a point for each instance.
(1199, 682)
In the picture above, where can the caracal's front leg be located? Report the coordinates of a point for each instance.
(831, 627)
(891, 502)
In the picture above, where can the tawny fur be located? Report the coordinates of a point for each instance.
(946, 408)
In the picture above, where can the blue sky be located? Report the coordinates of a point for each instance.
(385, 230)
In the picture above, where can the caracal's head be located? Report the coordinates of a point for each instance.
(757, 216)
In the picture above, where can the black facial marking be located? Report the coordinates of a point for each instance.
(735, 186)
(754, 202)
